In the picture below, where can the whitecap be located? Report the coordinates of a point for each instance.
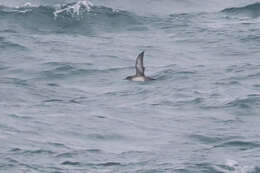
(238, 168)
(74, 9)
(27, 4)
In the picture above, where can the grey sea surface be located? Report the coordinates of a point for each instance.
(65, 106)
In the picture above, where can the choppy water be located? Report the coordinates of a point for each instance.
(66, 108)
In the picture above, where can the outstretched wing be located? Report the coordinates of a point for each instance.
(139, 65)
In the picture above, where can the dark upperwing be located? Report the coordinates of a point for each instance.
(139, 65)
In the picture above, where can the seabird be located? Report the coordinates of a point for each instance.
(139, 67)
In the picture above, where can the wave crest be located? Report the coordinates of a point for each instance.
(252, 10)
(81, 17)
(74, 9)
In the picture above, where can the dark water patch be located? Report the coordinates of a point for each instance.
(193, 101)
(64, 65)
(100, 116)
(53, 84)
(9, 80)
(50, 101)
(227, 82)
(52, 75)
(245, 103)
(4, 68)
(56, 144)
(16, 150)
(55, 169)
(9, 129)
(15, 81)
(187, 72)
(257, 85)
(5, 166)
(179, 15)
(6, 45)
(105, 164)
(8, 31)
(57, 70)
(109, 164)
(251, 38)
(66, 155)
(155, 170)
(72, 154)
(11, 161)
(241, 67)
(242, 145)
(136, 92)
(135, 153)
(39, 151)
(172, 72)
(197, 102)
(178, 20)
(123, 93)
(205, 139)
(30, 167)
(15, 116)
(251, 10)
(256, 169)
(53, 100)
(71, 163)
(30, 152)
(180, 27)
(237, 73)
(109, 137)
(94, 151)
(137, 28)
(72, 70)
(74, 101)
(78, 100)
(255, 75)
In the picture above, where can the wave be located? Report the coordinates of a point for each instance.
(37, 151)
(234, 166)
(74, 9)
(5, 44)
(243, 145)
(105, 164)
(245, 103)
(251, 10)
(81, 16)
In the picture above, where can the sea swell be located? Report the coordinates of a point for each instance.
(251, 10)
(80, 17)
(84, 17)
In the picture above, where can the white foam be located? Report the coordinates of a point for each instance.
(27, 4)
(75, 9)
(116, 10)
(238, 168)
(231, 163)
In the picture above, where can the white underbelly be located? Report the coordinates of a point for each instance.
(139, 78)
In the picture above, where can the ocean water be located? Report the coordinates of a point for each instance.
(65, 106)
